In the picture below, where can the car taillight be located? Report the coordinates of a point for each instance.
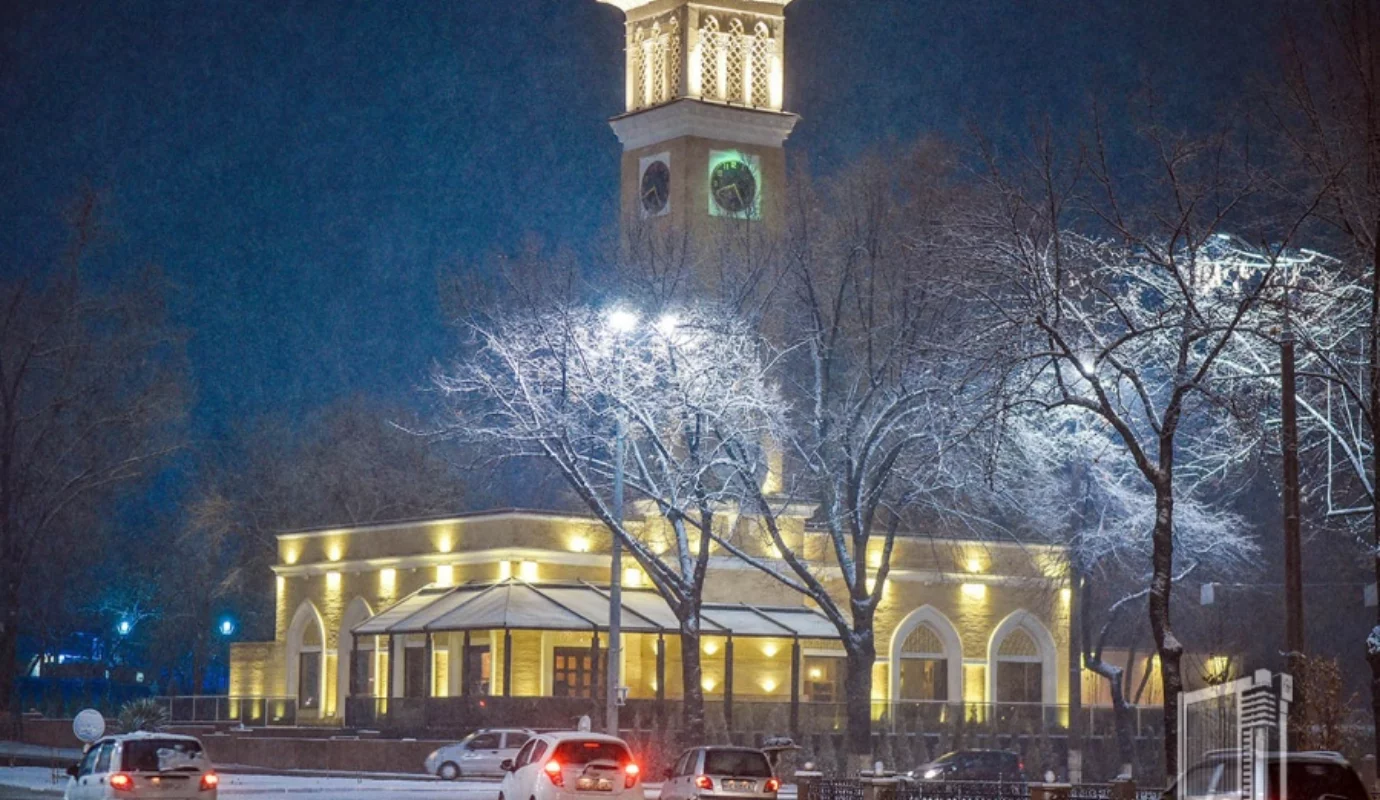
(1020, 765)
(553, 771)
(121, 782)
(704, 782)
(630, 774)
(773, 784)
(209, 781)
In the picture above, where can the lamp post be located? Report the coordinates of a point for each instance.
(621, 323)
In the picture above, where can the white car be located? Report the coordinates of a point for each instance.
(572, 765)
(143, 765)
(481, 753)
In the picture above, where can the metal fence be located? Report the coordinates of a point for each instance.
(249, 711)
(839, 788)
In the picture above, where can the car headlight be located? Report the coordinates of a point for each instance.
(932, 773)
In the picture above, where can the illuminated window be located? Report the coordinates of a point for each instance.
(1020, 672)
(709, 59)
(823, 679)
(635, 71)
(924, 669)
(733, 63)
(761, 65)
(657, 46)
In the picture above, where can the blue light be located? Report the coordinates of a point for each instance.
(226, 626)
(123, 627)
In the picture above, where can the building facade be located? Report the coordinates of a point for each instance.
(965, 622)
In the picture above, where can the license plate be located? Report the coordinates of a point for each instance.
(740, 786)
(594, 785)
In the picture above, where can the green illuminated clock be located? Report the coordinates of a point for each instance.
(733, 186)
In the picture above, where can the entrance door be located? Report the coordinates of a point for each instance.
(414, 672)
(477, 672)
(309, 681)
(573, 672)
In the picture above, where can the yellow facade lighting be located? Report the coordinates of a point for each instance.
(505, 570)
(388, 581)
(333, 581)
(708, 684)
(770, 649)
(975, 565)
(579, 544)
(710, 647)
(528, 571)
(445, 575)
(768, 685)
(632, 577)
(975, 591)
(816, 673)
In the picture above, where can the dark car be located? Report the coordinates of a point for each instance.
(973, 765)
(1310, 775)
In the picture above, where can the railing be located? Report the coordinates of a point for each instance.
(843, 788)
(249, 711)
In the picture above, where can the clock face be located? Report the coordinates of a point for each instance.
(733, 186)
(656, 188)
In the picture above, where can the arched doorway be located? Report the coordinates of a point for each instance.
(1022, 661)
(926, 658)
(350, 661)
(306, 660)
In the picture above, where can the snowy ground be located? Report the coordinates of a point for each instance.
(21, 783)
(33, 782)
(17, 783)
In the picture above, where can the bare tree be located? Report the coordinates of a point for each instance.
(90, 384)
(1131, 329)
(879, 397)
(576, 386)
(1070, 480)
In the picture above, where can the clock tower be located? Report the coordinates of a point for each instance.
(703, 131)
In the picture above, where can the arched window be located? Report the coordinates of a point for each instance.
(657, 46)
(709, 58)
(734, 81)
(926, 657)
(1022, 664)
(761, 65)
(306, 644)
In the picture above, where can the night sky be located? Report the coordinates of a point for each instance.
(302, 170)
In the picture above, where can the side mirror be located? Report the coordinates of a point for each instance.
(72, 770)
(669, 773)
(507, 765)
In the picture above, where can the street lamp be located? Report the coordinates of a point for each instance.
(123, 627)
(621, 322)
(226, 627)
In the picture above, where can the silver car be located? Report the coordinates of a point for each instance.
(481, 753)
(720, 772)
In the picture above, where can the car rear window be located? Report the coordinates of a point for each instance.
(736, 763)
(1309, 779)
(162, 755)
(583, 752)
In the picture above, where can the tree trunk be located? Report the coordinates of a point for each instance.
(1121, 713)
(692, 704)
(1166, 643)
(857, 683)
(9, 644)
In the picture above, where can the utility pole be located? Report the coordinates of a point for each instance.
(1293, 555)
